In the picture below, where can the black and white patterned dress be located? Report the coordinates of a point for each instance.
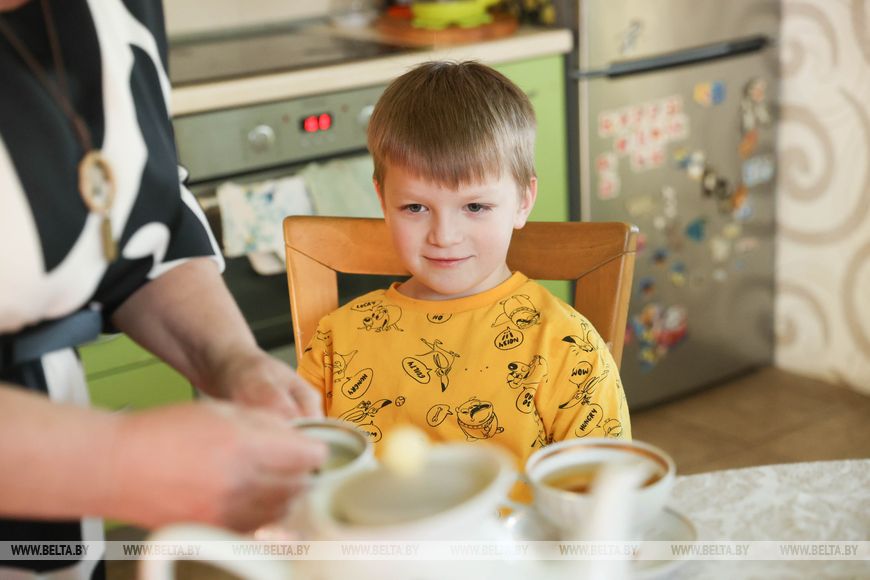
(51, 262)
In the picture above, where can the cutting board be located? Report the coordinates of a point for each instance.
(399, 31)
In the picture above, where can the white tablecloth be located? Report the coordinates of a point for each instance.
(817, 501)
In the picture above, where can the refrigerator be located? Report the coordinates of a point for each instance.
(675, 111)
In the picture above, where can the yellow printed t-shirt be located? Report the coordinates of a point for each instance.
(513, 365)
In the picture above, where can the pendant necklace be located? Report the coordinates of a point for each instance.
(96, 179)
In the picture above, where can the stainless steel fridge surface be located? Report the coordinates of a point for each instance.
(677, 135)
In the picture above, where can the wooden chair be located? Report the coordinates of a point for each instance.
(599, 257)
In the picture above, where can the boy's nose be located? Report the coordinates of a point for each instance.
(444, 231)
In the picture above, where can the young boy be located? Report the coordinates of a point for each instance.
(464, 349)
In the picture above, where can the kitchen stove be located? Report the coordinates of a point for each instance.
(240, 54)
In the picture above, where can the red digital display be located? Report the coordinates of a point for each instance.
(316, 123)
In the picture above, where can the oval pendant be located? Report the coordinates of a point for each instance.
(97, 188)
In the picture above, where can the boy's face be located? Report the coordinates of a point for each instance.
(453, 241)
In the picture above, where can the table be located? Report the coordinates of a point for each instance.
(811, 501)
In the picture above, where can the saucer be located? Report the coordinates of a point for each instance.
(670, 526)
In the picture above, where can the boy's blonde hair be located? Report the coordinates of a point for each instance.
(454, 123)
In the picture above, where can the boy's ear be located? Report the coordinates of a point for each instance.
(527, 202)
(379, 190)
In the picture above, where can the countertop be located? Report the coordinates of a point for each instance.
(527, 42)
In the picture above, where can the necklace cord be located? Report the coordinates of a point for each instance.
(59, 91)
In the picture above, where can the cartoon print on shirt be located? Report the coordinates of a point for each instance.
(442, 360)
(323, 336)
(585, 382)
(528, 377)
(533, 375)
(592, 414)
(518, 313)
(477, 419)
(337, 362)
(352, 387)
(438, 317)
(437, 413)
(366, 410)
(382, 317)
(585, 343)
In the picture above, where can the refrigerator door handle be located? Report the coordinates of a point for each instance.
(679, 58)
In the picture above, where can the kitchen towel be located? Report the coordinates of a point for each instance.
(343, 187)
(252, 213)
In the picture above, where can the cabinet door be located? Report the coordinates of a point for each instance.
(543, 80)
(123, 375)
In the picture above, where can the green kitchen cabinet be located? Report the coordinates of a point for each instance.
(543, 80)
(123, 375)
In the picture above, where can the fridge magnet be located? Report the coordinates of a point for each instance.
(646, 286)
(656, 157)
(709, 94)
(744, 212)
(606, 162)
(739, 265)
(621, 145)
(720, 249)
(640, 161)
(754, 110)
(739, 197)
(758, 170)
(660, 256)
(639, 205)
(678, 274)
(659, 222)
(714, 185)
(654, 110)
(747, 144)
(673, 104)
(732, 230)
(681, 158)
(607, 121)
(657, 331)
(677, 127)
(641, 242)
(696, 229)
(608, 185)
(696, 165)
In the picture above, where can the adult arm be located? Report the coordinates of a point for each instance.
(208, 462)
(188, 318)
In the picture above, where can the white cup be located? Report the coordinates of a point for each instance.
(574, 464)
(350, 449)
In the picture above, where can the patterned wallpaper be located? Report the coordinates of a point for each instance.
(823, 269)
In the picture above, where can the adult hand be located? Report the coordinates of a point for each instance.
(188, 318)
(209, 462)
(259, 380)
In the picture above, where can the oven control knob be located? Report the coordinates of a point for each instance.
(261, 138)
(365, 114)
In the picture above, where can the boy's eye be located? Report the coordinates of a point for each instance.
(477, 207)
(413, 208)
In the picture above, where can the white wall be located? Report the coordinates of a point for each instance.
(823, 270)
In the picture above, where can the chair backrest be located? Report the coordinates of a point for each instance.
(598, 256)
